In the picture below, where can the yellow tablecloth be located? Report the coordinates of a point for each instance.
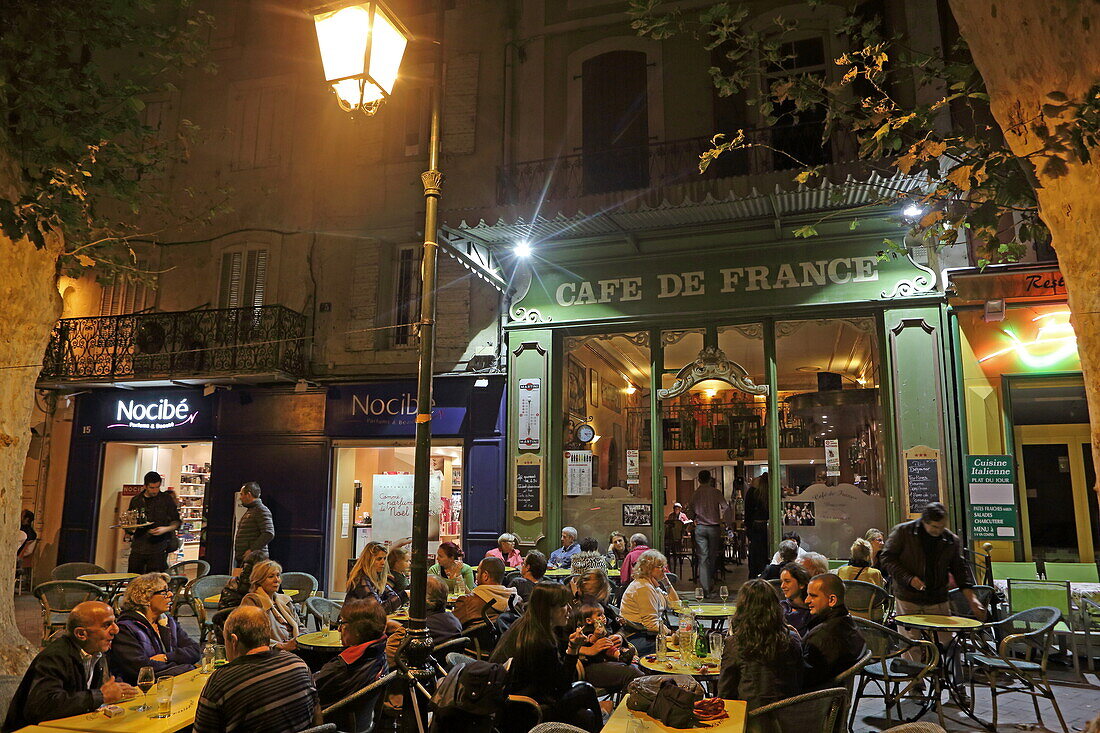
(328, 639)
(936, 621)
(559, 573)
(217, 597)
(709, 610)
(106, 577)
(620, 719)
(185, 697)
(674, 664)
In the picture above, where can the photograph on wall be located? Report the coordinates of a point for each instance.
(611, 395)
(637, 515)
(799, 514)
(574, 388)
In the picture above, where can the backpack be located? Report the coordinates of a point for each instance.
(474, 687)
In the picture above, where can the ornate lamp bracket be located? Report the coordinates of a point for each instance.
(712, 364)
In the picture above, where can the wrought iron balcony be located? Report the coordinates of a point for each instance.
(226, 342)
(662, 164)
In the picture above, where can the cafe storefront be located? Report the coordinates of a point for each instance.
(808, 367)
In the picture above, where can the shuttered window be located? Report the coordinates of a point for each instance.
(406, 294)
(121, 296)
(244, 279)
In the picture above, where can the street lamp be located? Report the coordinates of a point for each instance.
(361, 44)
(361, 47)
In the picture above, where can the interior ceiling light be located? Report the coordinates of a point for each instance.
(630, 388)
(808, 369)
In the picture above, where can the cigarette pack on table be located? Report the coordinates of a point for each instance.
(112, 711)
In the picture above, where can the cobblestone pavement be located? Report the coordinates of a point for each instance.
(1079, 703)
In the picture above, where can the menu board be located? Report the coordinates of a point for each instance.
(991, 481)
(529, 485)
(922, 477)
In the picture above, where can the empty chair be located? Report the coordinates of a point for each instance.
(355, 713)
(200, 590)
(1020, 570)
(73, 570)
(322, 611)
(323, 728)
(59, 597)
(1074, 572)
(813, 712)
(866, 600)
(1027, 594)
(190, 569)
(896, 677)
(835, 564)
(960, 605)
(1032, 633)
(305, 584)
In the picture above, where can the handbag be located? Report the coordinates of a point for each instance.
(675, 707)
(643, 691)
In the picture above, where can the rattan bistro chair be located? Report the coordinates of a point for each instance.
(200, 590)
(356, 712)
(866, 600)
(59, 597)
(73, 570)
(813, 712)
(323, 610)
(892, 672)
(305, 584)
(1030, 632)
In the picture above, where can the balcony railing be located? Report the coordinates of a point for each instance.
(664, 164)
(198, 343)
(732, 427)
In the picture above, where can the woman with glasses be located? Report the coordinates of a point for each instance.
(148, 636)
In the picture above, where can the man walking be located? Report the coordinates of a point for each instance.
(150, 545)
(255, 530)
(708, 509)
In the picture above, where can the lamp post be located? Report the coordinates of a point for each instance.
(361, 45)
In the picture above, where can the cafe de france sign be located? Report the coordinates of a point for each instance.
(764, 277)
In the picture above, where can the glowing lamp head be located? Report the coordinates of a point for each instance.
(630, 389)
(362, 45)
(912, 211)
(522, 249)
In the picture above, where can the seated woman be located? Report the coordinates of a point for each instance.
(589, 557)
(544, 659)
(878, 541)
(506, 551)
(399, 564)
(265, 595)
(369, 578)
(616, 550)
(449, 566)
(645, 600)
(859, 565)
(793, 581)
(762, 659)
(148, 636)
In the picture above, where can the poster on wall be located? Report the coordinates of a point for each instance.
(991, 483)
(637, 515)
(832, 457)
(633, 467)
(392, 509)
(530, 414)
(578, 473)
(574, 388)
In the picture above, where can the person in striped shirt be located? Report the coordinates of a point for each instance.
(261, 690)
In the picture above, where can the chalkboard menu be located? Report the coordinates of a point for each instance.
(923, 479)
(529, 487)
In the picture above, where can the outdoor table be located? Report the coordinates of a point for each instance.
(674, 663)
(715, 613)
(321, 639)
(185, 697)
(111, 582)
(217, 597)
(558, 573)
(931, 627)
(619, 722)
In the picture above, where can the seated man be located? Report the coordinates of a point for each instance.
(261, 689)
(814, 562)
(832, 642)
(563, 556)
(790, 535)
(363, 660)
(489, 589)
(531, 572)
(788, 551)
(441, 623)
(69, 676)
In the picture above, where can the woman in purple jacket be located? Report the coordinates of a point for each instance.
(148, 636)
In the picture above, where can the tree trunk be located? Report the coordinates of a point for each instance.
(29, 308)
(1025, 50)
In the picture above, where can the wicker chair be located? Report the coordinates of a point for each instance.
(200, 590)
(1030, 632)
(355, 713)
(73, 570)
(895, 676)
(190, 569)
(813, 712)
(552, 727)
(59, 597)
(866, 600)
(323, 728)
(321, 610)
(305, 584)
(915, 728)
(960, 605)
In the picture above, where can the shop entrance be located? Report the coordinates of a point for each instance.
(373, 499)
(185, 469)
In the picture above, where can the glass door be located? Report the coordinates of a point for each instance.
(1058, 506)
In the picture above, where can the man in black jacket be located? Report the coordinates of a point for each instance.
(256, 528)
(69, 676)
(150, 545)
(832, 643)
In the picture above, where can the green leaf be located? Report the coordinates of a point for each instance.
(805, 232)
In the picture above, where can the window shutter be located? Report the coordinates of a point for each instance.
(244, 279)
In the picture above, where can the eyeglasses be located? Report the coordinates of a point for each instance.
(162, 592)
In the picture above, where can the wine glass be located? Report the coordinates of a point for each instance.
(699, 595)
(724, 593)
(145, 681)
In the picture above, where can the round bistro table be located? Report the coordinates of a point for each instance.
(932, 626)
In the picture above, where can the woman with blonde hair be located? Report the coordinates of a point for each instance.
(645, 599)
(859, 564)
(369, 577)
(148, 636)
(280, 612)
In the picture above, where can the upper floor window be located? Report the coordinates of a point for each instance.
(121, 296)
(406, 294)
(796, 137)
(615, 121)
(243, 279)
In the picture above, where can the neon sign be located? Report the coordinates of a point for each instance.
(1054, 342)
(157, 415)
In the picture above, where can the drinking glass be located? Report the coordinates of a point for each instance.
(724, 593)
(662, 647)
(207, 659)
(164, 697)
(699, 594)
(717, 642)
(219, 656)
(145, 680)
